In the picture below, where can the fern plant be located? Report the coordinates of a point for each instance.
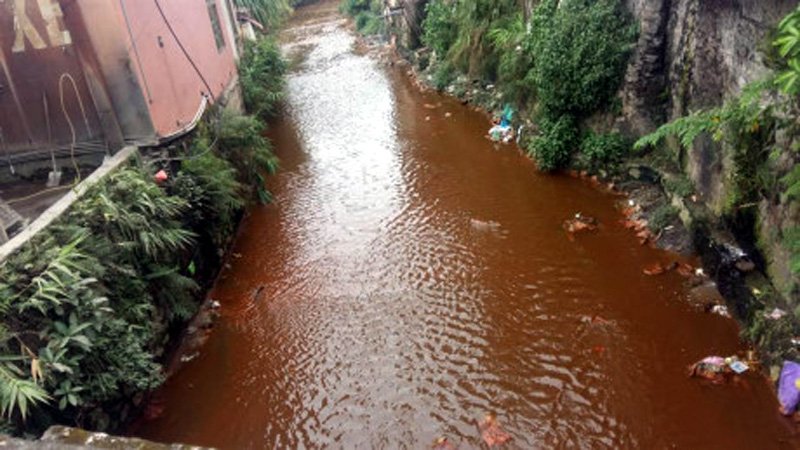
(788, 45)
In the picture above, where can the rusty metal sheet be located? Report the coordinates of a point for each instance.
(44, 98)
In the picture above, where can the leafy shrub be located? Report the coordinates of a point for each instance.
(443, 76)
(271, 13)
(86, 303)
(241, 142)
(209, 185)
(581, 49)
(679, 185)
(791, 241)
(514, 46)
(368, 15)
(788, 45)
(439, 27)
(556, 140)
(82, 300)
(261, 74)
(663, 216)
(368, 23)
(603, 149)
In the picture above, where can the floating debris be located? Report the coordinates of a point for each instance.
(443, 443)
(720, 310)
(579, 224)
(789, 387)
(718, 369)
(685, 270)
(189, 357)
(712, 368)
(484, 225)
(491, 432)
(739, 367)
(654, 269)
(659, 268)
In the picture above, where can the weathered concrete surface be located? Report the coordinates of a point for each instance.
(66, 438)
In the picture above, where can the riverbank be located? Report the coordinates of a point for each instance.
(94, 299)
(411, 279)
(678, 216)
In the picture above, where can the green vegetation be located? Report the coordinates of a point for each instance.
(791, 241)
(82, 302)
(746, 127)
(368, 15)
(553, 146)
(604, 150)
(663, 216)
(87, 304)
(788, 45)
(591, 41)
(439, 27)
(261, 74)
(569, 59)
(270, 13)
(679, 185)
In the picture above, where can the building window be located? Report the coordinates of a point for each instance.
(215, 24)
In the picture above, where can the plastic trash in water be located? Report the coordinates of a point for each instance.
(491, 432)
(507, 116)
(720, 310)
(714, 361)
(710, 368)
(739, 367)
(789, 387)
(501, 133)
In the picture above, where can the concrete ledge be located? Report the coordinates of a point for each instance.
(67, 438)
(62, 205)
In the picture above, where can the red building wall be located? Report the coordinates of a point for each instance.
(171, 85)
(133, 82)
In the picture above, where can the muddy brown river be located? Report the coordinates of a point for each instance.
(412, 277)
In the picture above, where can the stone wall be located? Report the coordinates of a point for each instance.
(693, 54)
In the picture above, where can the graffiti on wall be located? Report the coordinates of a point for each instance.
(25, 30)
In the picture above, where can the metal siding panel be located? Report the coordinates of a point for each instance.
(40, 63)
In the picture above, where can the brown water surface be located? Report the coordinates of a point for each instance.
(411, 277)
